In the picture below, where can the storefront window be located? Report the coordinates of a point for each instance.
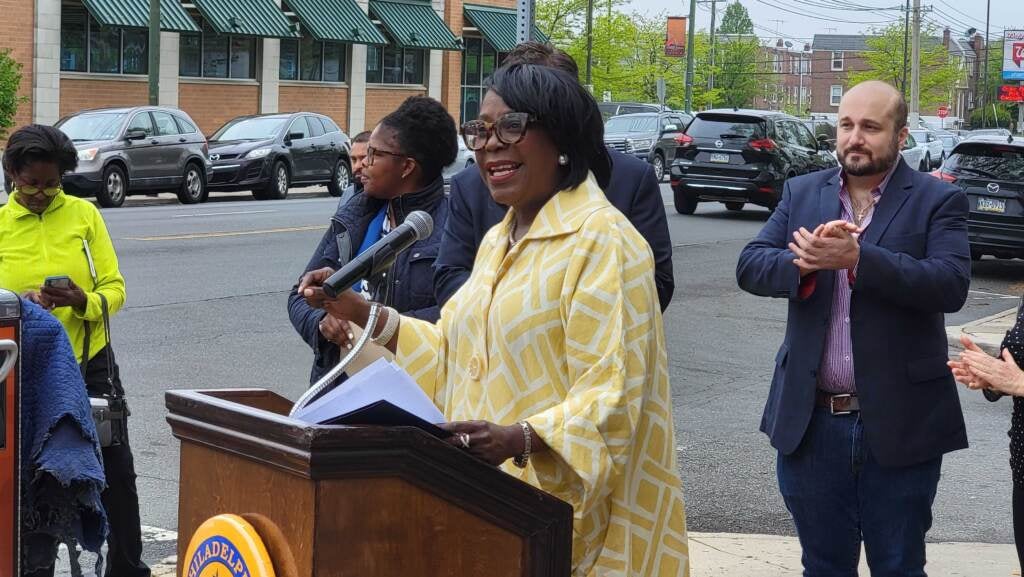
(215, 55)
(395, 65)
(86, 46)
(312, 61)
(478, 63)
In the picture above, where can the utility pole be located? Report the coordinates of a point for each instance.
(711, 70)
(590, 44)
(154, 52)
(524, 20)
(984, 82)
(906, 39)
(915, 63)
(689, 56)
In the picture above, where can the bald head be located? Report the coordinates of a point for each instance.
(879, 96)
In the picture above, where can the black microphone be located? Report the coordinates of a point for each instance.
(374, 260)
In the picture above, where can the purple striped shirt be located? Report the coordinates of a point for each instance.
(836, 372)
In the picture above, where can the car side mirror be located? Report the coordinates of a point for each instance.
(136, 134)
(295, 136)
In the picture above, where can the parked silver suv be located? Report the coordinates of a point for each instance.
(142, 149)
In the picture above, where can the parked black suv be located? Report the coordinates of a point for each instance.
(742, 156)
(990, 169)
(650, 136)
(268, 153)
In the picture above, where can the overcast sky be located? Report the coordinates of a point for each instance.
(799, 20)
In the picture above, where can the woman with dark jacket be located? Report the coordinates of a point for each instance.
(406, 154)
(998, 376)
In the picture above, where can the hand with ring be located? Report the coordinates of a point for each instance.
(337, 331)
(487, 441)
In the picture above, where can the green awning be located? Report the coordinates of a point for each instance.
(337, 20)
(135, 14)
(248, 17)
(498, 26)
(414, 25)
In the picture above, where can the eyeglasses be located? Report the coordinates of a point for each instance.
(34, 190)
(510, 129)
(372, 152)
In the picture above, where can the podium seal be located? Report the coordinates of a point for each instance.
(226, 546)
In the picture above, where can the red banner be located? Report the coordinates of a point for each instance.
(675, 36)
(1009, 93)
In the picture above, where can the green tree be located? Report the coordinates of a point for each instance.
(884, 61)
(736, 20)
(10, 82)
(739, 70)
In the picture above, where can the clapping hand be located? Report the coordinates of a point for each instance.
(1002, 374)
(832, 246)
(962, 370)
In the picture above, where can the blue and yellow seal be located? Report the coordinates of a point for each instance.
(226, 546)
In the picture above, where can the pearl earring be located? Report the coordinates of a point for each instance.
(563, 159)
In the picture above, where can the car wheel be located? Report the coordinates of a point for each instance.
(113, 188)
(685, 204)
(975, 254)
(659, 166)
(734, 206)
(926, 163)
(277, 187)
(340, 179)
(193, 186)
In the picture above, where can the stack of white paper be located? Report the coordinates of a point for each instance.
(381, 381)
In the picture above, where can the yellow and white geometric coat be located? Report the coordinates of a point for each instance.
(564, 331)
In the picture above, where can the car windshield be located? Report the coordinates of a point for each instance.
(948, 140)
(631, 124)
(999, 162)
(92, 126)
(250, 129)
(991, 131)
(725, 127)
(920, 135)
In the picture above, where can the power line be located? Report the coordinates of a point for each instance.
(822, 16)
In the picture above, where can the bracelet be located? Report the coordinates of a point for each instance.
(389, 330)
(521, 460)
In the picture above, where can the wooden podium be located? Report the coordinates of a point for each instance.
(333, 501)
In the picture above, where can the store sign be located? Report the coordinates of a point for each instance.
(1013, 55)
(675, 36)
(1011, 93)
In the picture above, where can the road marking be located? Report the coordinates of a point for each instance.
(198, 214)
(154, 534)
(222, 234)
(997, 295)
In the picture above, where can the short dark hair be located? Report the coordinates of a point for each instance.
(426, 132)
(900, 113)
(362, 137)
(542, 54)
(39, 143)
(565, 110)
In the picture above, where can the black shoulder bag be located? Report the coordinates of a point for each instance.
(109, 409)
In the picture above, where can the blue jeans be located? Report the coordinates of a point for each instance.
(839, 495)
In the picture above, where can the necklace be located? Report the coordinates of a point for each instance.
(859, 214)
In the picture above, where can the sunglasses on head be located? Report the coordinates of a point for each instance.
(509, 129)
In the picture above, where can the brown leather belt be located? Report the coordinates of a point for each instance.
(838, 404)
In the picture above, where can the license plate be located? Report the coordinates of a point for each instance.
(991, 205)
(720, 158)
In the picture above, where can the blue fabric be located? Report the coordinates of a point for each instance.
(839, 495)
(633, 190)
(915, 265)
(374, 232)
(62, 471)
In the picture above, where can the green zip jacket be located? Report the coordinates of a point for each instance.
(34, 246)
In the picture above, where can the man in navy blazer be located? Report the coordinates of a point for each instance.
(862, 406)
(633, 190)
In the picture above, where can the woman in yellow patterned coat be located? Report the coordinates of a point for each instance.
(553, 352)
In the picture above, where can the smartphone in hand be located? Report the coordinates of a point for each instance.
(60, 281)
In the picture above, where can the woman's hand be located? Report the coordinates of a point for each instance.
(487, 441)
(336, 331)
(962, 372)
(310, 286)
(38, 298)
(73, 296)
(1003, 375)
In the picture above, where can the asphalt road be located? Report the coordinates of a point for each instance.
(206, 309)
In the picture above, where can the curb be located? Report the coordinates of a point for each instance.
(988, 341)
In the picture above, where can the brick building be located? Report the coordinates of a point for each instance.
(787, 78)
(353, 60)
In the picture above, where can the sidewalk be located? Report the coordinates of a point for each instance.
(987, 332)
(734, 555)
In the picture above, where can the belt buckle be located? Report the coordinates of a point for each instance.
(832, 404)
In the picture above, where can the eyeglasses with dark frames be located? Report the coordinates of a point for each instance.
(510, 128)
(372, 153)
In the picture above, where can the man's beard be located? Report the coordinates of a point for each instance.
(874, 164)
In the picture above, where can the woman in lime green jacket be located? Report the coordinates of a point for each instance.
(55, 251)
